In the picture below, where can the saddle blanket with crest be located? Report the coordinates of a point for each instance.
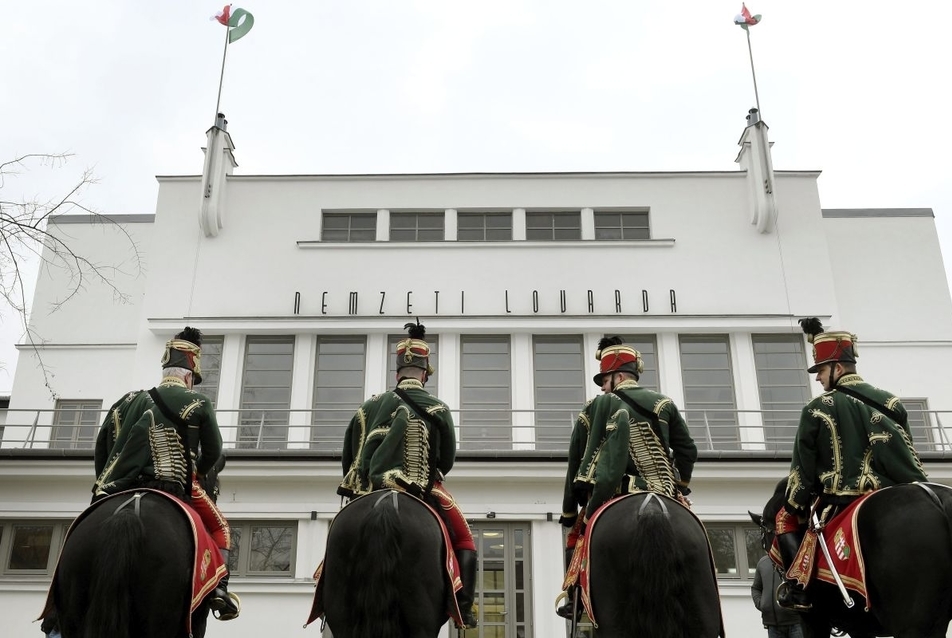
(451, 568)
(208, 568)
(579, 569)
(845, 550)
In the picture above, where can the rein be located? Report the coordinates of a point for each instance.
(135, 499)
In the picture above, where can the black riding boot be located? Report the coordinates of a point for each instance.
(790, 594)
(224, 605)
(467, 595)
(567, 610)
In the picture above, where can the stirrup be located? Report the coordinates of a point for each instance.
(567, 610)
(225, 609)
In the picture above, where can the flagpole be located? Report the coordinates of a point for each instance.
(752, 72)
(221, 78)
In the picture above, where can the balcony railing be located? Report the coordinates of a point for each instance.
(753, 433)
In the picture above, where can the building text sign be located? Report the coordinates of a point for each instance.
(364, 303)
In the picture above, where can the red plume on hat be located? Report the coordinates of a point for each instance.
(828, 347)
(615, 356)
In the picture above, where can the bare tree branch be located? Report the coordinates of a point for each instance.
(25, 238)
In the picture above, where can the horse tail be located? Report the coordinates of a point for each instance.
(375, 560)
(110, 595)
(658, 576)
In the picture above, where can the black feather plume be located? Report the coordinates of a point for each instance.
(811, 326)
(415, 330)
(192, 335)
(606, 342)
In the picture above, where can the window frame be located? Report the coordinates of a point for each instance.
(569, 407)
(416, 229)
(553, 215)
(780, 430)
(633, 232)
(493, 424)
(240, 558)
(925, 428)
(57, 537)
(78, 407)
(211, 375)
(700, 425)
(739, 531)
(484, 227)
(245, 422)
(347, 236)
(347, 407)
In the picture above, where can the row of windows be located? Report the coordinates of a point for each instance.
(484, 380)
(609, 225)
(259, 548)
(267, 548)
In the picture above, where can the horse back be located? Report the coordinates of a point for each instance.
(906, 537)
(144, 556)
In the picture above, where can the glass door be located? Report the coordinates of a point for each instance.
(503, 596)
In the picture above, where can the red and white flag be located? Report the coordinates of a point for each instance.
(223, 16)
(744, 19)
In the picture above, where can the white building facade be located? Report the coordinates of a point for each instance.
(302, 285)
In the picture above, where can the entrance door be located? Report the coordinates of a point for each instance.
(502, 586)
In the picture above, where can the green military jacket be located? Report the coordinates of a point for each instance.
(388, 445)
(134, 404)
(149, 448)
(845, 447)
(623, 441)
(577, 445)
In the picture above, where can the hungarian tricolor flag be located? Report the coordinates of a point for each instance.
(238, 21)
(744, 20)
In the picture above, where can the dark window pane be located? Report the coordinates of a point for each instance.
(30, 547)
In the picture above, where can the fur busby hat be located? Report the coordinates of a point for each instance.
(615, 356)
(828, 347)
(184, 350)
(414, 352)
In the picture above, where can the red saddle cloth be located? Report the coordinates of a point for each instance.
(845, 551)
(207, 565)
(452, 574)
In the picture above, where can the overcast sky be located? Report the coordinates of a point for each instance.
(344, 86)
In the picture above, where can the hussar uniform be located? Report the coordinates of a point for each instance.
(405, 439)
(166, 438)
(852, 439)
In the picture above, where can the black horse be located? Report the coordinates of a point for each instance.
(651, 572)
(384, 570)
(906, 535)
(125, 571)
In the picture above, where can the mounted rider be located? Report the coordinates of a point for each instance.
(637, 441)
(405, 439)
(852, 439)
(168, 439)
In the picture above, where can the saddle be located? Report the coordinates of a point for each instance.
(452, 566)
(207, 565)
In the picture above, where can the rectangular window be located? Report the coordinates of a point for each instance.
(266, 392)
(484, 226)
(737, 549)
(30, 547)
(416, 226)
(349, 227)
(338, 388)
(619, 225)
(262, 548)
(433, 385)
(709, 405)
(211, 367)
(647, 346)
(920, 424)
(553, 226)
(783, 383)
(76, 424)
(559, 374)
(485, 420)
